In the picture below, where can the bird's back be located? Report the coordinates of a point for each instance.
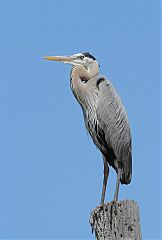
(114, 123)
(107, 123)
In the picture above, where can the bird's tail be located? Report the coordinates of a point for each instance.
(126, 169)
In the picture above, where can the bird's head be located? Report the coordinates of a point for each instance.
(84, 59)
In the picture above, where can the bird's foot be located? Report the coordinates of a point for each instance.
(115, 199)
(101, 205)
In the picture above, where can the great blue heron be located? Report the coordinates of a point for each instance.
(104, 115)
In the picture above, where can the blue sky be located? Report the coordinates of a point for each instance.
(50, 171)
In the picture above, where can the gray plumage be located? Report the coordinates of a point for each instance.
(107, 123)
(104, 115)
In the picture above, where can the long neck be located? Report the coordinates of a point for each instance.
(79, 76)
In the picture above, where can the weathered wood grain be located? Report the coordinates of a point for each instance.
(116, 221)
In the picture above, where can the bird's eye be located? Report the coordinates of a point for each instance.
(81, 57)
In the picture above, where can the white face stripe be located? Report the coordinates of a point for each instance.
(77, 55)
(77, 60)
(86, 60)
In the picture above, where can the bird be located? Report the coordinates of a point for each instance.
(104, 114)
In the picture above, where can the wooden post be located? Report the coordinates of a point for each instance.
(116, 221)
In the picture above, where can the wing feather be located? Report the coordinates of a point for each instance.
(113, 121)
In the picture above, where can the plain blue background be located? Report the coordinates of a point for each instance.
(50, 171)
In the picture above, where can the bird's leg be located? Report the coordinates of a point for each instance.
(106, 174)
(117, 185)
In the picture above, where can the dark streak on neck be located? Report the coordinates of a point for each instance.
(99, 81)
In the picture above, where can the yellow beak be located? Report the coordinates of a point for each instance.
(59, 58)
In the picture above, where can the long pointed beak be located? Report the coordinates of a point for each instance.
(59, 58)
